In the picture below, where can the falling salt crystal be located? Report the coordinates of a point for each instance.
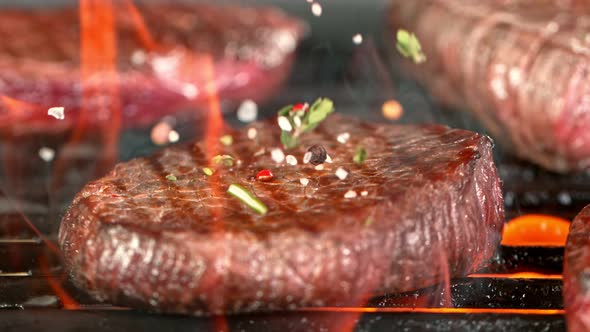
(56, 112)
(252, 133)
(284, 123)
(190, 91)
(350, 194)
(307, 157)
(248, 111)
(564, 198)
(304, 181)
(46, 154)
(328, 159)
(138, 57)
(357, 39)
(364, 193)
(319, 167)
(277, 155)
(343, 138)
(316, 9)
(341, 173)
(291, 160)
(173, 136)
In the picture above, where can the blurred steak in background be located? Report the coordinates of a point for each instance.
(160, 70)
(521, 67)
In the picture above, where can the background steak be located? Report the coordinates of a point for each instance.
(576, 274)
(522, 68)
(252, 51)
(434, 209)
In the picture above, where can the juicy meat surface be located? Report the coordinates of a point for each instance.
(245, 52)
(576, 275)
(433, 208)
(520, 66)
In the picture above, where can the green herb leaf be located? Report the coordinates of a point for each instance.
(224, 159)
(247, 198)
(207, 171)
(289, 141)
(317, 113)
(360, 155)
(226, 140)
(409, 46)
(171, 177)
(285, 110)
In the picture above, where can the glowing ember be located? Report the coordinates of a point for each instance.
(316, 9)
(392, 110)
(536, 230)
(248, 111)
(56, 112)
(47, 154)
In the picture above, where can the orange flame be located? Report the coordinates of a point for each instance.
(519, 275)
(536, 230)
(143, 33)
(509, 311)
(16, 107)
(66, 300)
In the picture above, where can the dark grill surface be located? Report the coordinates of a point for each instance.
(36, 294)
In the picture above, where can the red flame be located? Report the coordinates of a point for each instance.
(536, 230)
(66, 300)
(519, 275)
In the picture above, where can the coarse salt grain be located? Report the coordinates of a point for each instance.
(304, 181)
(357, 39)
(328, 159)
(316, 9)
(291, 160)
(248, 111)
(350, 194)
(173, 136)
(343, 138)
(56, 112)
(138, 57)
(341, 173)
(277, 155)
(252, 133)
(319, 167)
(47, 154)
(284, 123)
(307, 157)
(190, 91)
(364, 193)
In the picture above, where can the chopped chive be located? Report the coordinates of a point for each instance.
(207, 171)
(360, 155)
(409, 46)
(224, 159)
(247, 198)
(171, 177)
(226, 140)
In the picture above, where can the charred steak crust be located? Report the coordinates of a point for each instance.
(576, 274)
(434, 205)
(520, 66)
(252, 50)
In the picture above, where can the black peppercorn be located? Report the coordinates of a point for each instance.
(317, 155)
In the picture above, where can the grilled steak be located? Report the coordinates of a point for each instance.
(428, 205)
(252, 51)
(520, 67)
(576, 277)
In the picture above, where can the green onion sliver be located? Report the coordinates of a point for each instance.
(247, 198)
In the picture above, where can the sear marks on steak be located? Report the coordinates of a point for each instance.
(576, 273)
(521, 67)
(252, 51)
(433, 208)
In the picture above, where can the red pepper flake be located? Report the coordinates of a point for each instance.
(264, 175)
(300, 107)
